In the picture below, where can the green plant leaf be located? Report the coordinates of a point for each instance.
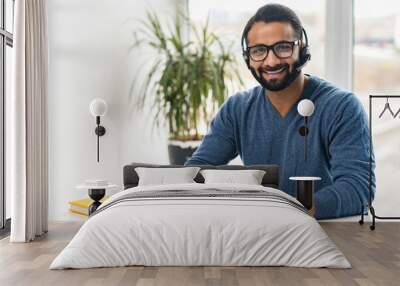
(189, 78)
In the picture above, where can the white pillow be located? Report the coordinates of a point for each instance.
(248, 177)
(163, 176)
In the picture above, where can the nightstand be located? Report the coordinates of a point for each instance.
(305, 190)
(96, 193)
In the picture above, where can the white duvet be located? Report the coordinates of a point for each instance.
(200, 231)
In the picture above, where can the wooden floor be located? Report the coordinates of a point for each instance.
(374, 255)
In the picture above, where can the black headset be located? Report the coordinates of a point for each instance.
(305, 54)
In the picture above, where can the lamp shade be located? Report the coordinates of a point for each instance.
(305, 107)
(98, 107)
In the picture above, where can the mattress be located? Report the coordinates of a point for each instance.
(201, 225)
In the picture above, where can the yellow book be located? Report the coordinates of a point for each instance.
(81, 206)
(79, 212)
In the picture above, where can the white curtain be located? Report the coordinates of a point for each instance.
(27, 117)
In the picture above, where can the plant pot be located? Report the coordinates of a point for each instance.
(180, 151)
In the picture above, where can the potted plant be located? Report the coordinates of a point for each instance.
(187, 82)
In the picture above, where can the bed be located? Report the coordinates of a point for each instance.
(201, 224)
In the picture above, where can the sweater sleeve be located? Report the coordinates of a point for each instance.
(348, 147)
(218, 146)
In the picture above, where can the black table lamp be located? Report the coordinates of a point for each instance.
(98, 108)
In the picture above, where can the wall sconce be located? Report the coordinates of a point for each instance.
(98, 107)
(306, 109)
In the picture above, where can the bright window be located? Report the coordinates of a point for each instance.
(377, 72)
(376, 47)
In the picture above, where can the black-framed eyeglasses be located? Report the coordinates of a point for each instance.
(282, 50)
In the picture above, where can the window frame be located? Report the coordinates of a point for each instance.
(339, 58)
(6, 39)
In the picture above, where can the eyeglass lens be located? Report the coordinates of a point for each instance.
(281, 50)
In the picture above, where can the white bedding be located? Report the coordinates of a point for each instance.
(200, 231)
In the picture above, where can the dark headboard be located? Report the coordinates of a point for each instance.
(270, 179)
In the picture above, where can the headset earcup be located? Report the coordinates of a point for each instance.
(307, 54)
(304, 57)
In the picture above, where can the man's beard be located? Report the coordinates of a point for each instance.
(276, 84)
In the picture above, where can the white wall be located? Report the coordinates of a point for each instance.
(89, 56)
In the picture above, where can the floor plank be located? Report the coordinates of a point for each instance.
(374, 255)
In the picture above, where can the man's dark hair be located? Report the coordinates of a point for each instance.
(274, 13)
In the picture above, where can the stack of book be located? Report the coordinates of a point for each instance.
(81, 207)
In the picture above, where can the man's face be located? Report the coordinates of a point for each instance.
(273, 73)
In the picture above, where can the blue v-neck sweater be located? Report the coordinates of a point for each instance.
(248, 125)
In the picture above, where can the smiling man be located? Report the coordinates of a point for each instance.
(262, 124)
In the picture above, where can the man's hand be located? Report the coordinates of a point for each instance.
(311, 211)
